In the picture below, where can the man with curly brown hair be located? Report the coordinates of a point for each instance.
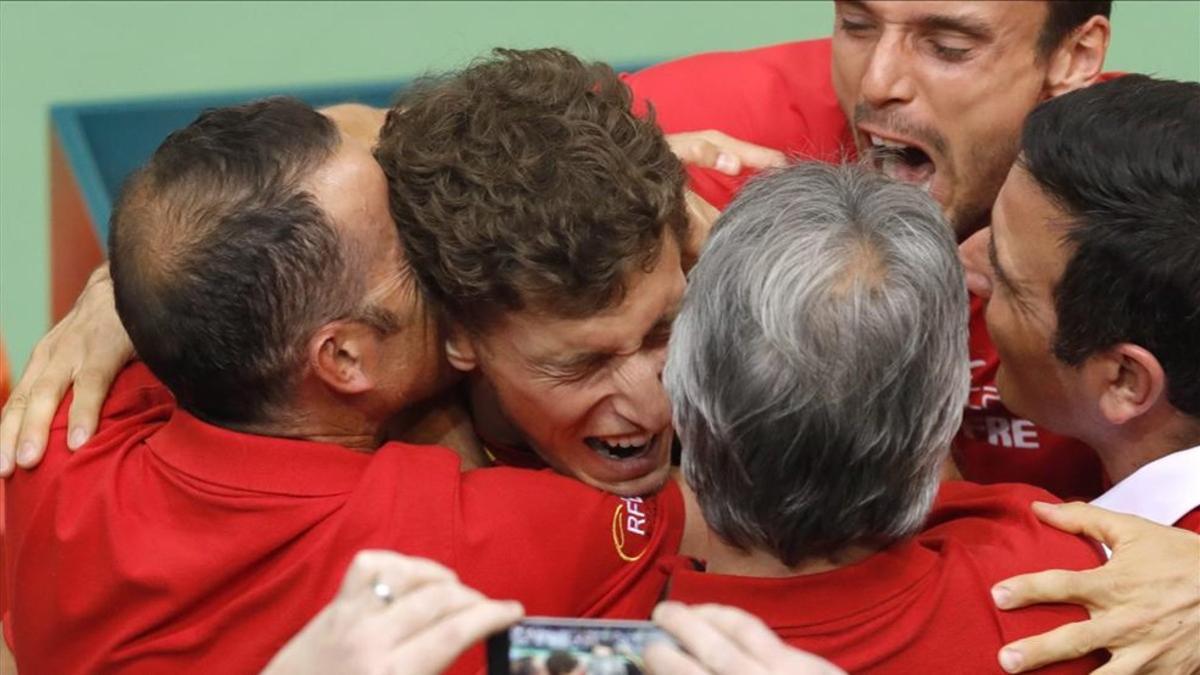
(545, 219)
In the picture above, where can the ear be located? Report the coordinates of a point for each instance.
(341, 354)
(460, 349)
(1130, 381)
(1079, 60)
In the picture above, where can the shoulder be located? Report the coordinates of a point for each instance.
(136, 390)
(995, 526)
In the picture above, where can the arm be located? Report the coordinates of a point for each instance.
(1144, 603)
(393, 614)
(725, 640)
(87, 349)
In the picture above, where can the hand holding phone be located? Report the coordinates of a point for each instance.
(554, 646)
(721, 640)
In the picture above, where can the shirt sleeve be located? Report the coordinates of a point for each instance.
(564, 548)
(780, 97)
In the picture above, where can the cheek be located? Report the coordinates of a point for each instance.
(557, 411)
(847, 70)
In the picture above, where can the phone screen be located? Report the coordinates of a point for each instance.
(549, 646)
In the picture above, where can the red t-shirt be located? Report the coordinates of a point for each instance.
(923, 605)
(170, 545)
(782, 97)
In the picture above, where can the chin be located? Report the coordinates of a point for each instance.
(642, 485)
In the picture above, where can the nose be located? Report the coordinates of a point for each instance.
(641, 398)
(886, 80)
(974, 255)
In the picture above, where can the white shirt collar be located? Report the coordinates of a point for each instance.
(1163, 491)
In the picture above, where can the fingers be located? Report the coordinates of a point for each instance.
(708, 645)
(91, 388)
(749, 154)
(1061, 644)
(10, 425)
(663, 658)
(424, 604)
(749, 633)
(436, 647)
(14, 409)
(715, 150)
(399, 572)
(1048, 586)
(89, 346)
(1079, 518)
(1127, 662)
(40, 407)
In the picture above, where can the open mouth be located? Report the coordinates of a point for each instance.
(902, 161)
(620, 449)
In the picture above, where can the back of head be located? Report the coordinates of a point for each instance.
(1122, 160)
(525, 181)
(222, 262)
(819, 367)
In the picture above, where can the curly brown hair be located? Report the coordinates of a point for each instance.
(525, 181)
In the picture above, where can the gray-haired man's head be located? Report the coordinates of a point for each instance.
(818, 369)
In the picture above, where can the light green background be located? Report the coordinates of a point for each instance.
(73, 51)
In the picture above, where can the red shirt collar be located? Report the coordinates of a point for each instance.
(258, 463)
(788, 602)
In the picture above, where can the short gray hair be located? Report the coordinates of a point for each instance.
(818, 369)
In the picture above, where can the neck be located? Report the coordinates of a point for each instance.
(442, 420)
(491, 424)
(303, 426)
(1140, 442)
(726, 559)
(318, 415)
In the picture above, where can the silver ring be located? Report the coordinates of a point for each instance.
(382, 591)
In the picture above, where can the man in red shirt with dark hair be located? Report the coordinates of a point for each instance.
(1094, 288)
(261, 279)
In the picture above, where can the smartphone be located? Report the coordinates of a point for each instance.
(542, 645)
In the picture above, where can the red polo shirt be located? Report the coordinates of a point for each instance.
(923, 605)
(170, 545)
(782, 97)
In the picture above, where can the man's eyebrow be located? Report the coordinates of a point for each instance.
(966, 25)
(855, 4)
(1001, 275)
(573, 361)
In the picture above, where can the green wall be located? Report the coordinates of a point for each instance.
(72, 51)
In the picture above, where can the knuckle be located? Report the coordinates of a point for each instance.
(43, 391)
(18, 400)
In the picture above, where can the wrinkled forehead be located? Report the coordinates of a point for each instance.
(650, 303)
